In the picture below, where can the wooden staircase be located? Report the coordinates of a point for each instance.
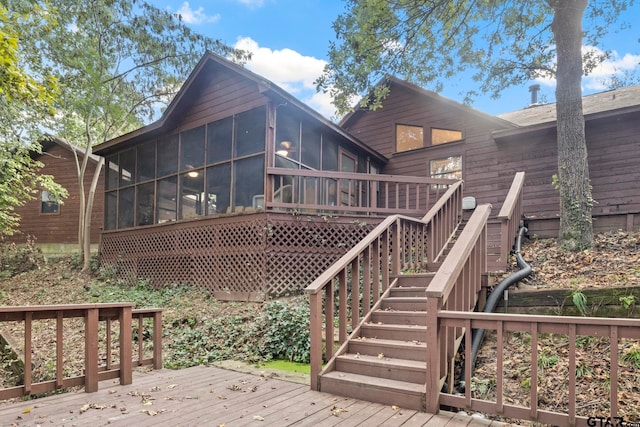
(384, 359)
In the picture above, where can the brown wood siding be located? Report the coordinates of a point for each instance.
(489, 166)
(62, 227)
(223, 94)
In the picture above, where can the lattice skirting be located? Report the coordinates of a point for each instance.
(247, 257)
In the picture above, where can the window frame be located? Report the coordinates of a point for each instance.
(397, 139)
(50, 199)
(434, 128)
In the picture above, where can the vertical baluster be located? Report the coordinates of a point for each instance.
(108, 342)
(28, 325)
(366, 280)
(613, 374)
(534, 371)
(572, 373)
(59, 349)
(342, 308)
(355, 292)
(500, 368)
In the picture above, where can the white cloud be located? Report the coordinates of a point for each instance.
(290, 70)
(196, 16)
(601, 75)
(614, 66)
(253, 4)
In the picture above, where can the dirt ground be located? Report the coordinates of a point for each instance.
(613, 262)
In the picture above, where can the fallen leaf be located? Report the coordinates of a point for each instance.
(381, 355)
(26, 411)
(258, 418)
(172, 386)
(395, 408)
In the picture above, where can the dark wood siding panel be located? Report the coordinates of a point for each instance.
(62, 227)
(226, 94)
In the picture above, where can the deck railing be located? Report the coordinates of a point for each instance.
(353, 193)
(575, 333)
(510, 215)
(397, 244)
(94, 336)
(455, 286)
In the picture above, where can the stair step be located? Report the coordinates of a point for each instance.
(394, 332)
(380, 390)
(411, 371)
(398, 317)
(415, 279)
(405, 303)
(409, 350)
(408, 291)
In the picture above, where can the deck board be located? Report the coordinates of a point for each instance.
(213, 396)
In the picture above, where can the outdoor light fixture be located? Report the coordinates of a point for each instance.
(285, 146)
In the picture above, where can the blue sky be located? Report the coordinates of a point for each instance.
(290, 39)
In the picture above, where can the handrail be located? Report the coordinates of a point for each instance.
(454, 287)
(396, 244)
(510, 215)
(352, 193)
(448, 273)
(92, 314)
(535, 326)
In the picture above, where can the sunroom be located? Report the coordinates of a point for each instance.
(241, 189)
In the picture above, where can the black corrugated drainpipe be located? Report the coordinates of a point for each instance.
(494, 297)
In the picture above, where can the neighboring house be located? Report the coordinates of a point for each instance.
(419, 130)
(54, 225)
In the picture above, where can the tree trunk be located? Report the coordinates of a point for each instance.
(86, 247)
(576, 228)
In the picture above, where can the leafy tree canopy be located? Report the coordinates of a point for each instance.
(427, 42)
(25, 100)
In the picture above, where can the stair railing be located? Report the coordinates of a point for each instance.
(455, 287)
(510, 215)
(397, 244)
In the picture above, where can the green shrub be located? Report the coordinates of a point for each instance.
(286, 331)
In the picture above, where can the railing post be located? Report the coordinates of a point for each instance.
(396, 248)
(433, 356)
(157, 340)
(91, 350)
(126, 370)
(316, 339)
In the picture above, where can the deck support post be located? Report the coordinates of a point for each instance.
(433, 356)
(126, 369)
(91, 349)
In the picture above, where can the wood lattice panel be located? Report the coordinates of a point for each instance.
(239, 257)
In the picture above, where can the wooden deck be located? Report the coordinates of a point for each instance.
(211, 396)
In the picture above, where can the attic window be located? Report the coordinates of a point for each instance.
(49, 204)
(409, 137)
(442, 136)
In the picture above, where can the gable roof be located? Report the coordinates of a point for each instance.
(189, 90)
(51, 141)
(431, 96)
(627, 98)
